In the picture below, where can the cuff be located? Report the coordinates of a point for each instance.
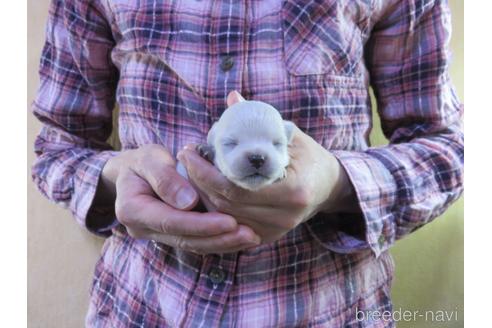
(375, 189)
(99, 220)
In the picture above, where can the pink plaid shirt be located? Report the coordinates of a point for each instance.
(170, 64)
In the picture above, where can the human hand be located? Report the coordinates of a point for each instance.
(153, 202)
(315, 181)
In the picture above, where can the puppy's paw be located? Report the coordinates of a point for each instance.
(206, 151)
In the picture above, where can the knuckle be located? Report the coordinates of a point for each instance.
(123, 211)
(200, 176)
(145, 159)
(165, 226)
(148, 154)
(182, 243)
(165, 184)
(220, 204)
(141, 162)
(122, 180)
(145, 152)
(150, 149)
(231, 192)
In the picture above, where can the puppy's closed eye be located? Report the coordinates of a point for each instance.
(277, 143)
(229, 143)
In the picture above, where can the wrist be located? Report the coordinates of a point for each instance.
(106, 187)
(100, 216)
(341, 196)
(111, 169)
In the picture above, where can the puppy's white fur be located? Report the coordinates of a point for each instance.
(251, 128)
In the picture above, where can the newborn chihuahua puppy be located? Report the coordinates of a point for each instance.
(248, 144)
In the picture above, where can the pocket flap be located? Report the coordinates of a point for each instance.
(321, 37)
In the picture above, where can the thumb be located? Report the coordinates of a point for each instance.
(168, 184)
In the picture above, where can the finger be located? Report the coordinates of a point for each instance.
(236, 209)
(234, 97)
(161, 218)
(135, 208)
(160, 172)
(129, 184)
(209, 179)
(242, 237)
(191, 146)
(204, 198)
(202, 171)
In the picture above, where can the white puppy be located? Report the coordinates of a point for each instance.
(248, 144)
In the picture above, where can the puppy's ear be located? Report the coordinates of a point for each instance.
(234, 97)
(211, 134)
(289, 130)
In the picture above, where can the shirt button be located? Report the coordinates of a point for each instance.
(227, 63)
(216, 275)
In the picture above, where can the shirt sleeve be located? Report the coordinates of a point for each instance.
(406, 184)
(74, 104)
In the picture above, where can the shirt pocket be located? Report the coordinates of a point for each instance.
(322, 37)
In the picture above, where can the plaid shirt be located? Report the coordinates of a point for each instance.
(170, 65)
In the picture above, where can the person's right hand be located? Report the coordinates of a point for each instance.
(153, 202)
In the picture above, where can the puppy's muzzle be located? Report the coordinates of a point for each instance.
(256, 160)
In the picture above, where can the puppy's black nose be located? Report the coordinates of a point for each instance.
(256, 160)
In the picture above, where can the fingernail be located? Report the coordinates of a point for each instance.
(185, 197)
(256, 240)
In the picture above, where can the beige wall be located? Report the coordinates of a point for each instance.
(61, 255)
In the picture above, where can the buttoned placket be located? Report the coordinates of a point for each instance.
(216, 277)
(214, 285)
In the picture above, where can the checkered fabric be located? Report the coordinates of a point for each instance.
(169, 65)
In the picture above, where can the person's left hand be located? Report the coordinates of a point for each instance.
(315, 181)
